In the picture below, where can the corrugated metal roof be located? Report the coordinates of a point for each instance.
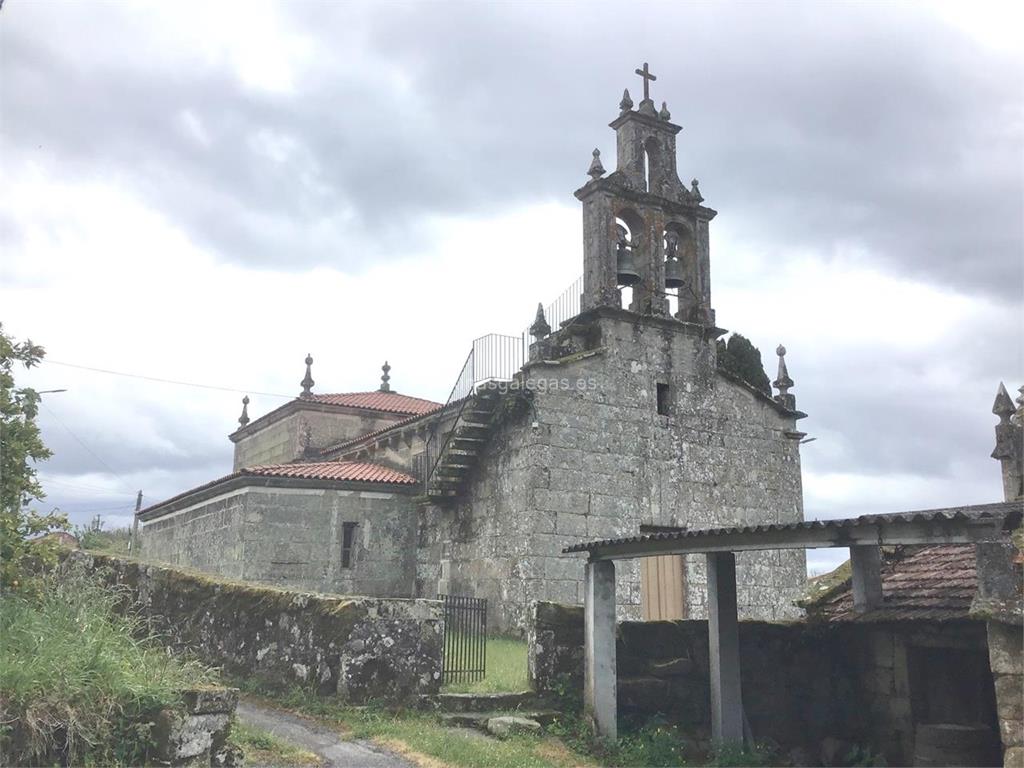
(975, 512)
(923, 583)
(389, 402)
(362, 471)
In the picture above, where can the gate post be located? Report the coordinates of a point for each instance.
(599, 648)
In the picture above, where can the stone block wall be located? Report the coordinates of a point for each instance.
(281, 440)
(590, 457)
(291, 536)
(1007, 662)
(802, 682)
(359, 648)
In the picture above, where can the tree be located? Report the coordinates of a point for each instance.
(741, 358)
(21, 446)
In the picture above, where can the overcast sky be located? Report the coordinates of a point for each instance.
(206, 192)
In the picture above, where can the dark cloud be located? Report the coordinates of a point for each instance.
(871, 130)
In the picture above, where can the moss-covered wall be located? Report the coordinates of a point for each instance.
(360, 647)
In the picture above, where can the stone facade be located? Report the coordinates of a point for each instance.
(594, 459)
(357, 648)
(291, 535)
(302, 428)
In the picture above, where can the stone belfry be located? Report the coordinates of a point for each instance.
(641, 226)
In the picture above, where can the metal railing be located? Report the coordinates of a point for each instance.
(465, 639)
(492, 358)
(565, 307)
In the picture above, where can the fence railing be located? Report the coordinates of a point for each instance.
(494, 357)
(566, 306)
(465, 639)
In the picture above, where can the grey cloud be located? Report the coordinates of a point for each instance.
(857, 126)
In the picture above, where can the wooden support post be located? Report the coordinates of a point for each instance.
(866, 564)
(599, 702)
(724, 647)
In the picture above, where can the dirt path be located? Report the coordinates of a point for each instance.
(335, 751)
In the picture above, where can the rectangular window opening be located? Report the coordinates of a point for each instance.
(348, 535)
(663, 401)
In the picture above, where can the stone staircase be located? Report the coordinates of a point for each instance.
(462, 449)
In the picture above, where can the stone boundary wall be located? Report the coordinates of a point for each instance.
(803, 683)
(356, 647)
(798, 680)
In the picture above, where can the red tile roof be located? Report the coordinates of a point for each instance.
(362, 471)
(390, 402)
(930, 583)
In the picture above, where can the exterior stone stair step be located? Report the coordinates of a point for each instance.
(479, 720)
(485, 702)
(461, 452)
(468, 439)
(474, 425)
(441, 493)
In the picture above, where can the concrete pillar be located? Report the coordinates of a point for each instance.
(866, 564)
(599, 649)
(724, 647)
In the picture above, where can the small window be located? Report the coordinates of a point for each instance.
(348, 535)
(663, 401)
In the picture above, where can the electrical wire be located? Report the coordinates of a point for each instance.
(48, 361)
(89, 450)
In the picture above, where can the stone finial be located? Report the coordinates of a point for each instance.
(1003, 406)
(664, 114)
(596, 170)
(783, 382)
(307, 381)
(695, 191)
(385, 377)
(540, 328)
(1009, 450)
(627, 103)
(244, 418)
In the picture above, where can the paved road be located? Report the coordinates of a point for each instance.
(335, 752)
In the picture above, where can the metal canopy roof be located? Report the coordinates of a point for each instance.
(953, 525)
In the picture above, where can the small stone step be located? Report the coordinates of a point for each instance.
(467, 439)
(506, 725)
(461, 452)
(484, 702)
(474, 425)
(543, 717)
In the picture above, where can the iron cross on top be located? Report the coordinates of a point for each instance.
(647, 76)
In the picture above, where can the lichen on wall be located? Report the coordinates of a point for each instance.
(360, 648)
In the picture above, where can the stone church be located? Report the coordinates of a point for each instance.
(610, 417)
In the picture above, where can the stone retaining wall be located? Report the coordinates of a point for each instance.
(360, 648)
(804, 684)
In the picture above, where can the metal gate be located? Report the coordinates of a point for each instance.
(465, 639)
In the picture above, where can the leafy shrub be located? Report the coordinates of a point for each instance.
(79, 681)
(94, 538)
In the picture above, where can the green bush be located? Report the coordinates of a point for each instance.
(79, 681)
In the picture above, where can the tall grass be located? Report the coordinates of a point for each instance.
(79, 681)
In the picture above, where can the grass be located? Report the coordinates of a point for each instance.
(75, 679)
(262, 748)
(506, 669)
(422, 738)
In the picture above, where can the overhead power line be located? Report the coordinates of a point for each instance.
(89, 450)
(160, 380)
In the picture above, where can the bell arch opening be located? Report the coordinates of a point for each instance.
(628, 226)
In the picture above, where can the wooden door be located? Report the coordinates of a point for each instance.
(663, 588)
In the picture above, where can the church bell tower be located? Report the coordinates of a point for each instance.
(642, 228)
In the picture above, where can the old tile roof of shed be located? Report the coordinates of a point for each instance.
(995, 511)
(389, 402)
(361, 471)
(925, 583)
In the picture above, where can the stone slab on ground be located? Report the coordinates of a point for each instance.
(506, 725)
(482, 702)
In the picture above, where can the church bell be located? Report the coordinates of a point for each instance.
(674, 274)
(625, 268)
